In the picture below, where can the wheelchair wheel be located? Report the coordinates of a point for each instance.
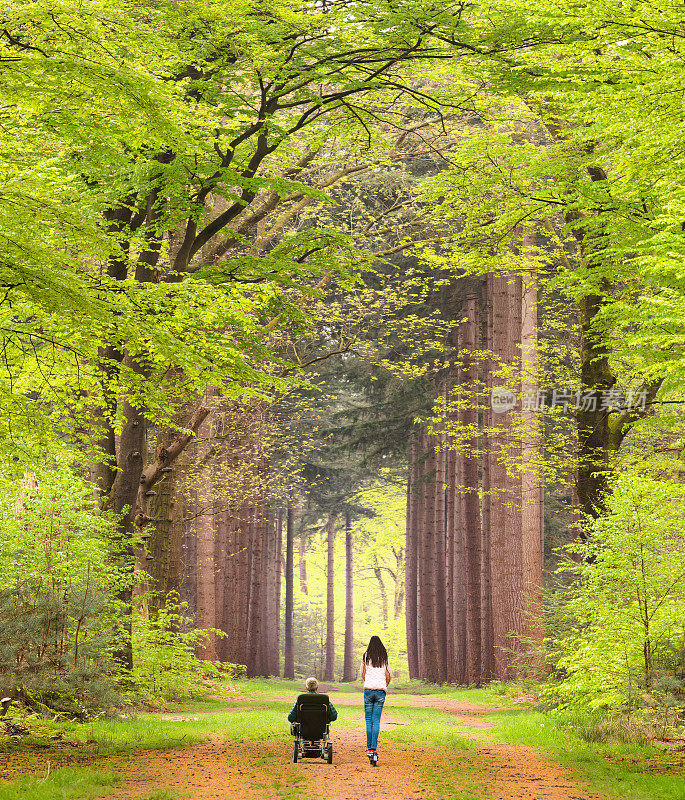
(330, 753)
(296, 752)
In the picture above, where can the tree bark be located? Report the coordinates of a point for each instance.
(288, 635)
(302, 553)
(531, 474)
(486, 624)
(470, 507)
(505, 491)
(384, 594)
(411, 563)
(206, 614)
(276, 661)
(329, 671)
(440, 579)
(349, 671)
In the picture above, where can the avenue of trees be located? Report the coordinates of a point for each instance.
(324, 320)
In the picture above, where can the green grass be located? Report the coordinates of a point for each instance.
(287, 787)
(256, 720)
(448, 782)
(62, 784)
(487, 695)
(613, 768)
(160, 731)
(160, 794)
(426, 727)
(479, 697)
(203, 704)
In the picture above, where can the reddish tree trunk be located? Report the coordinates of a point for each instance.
(254, 611)
(486, 626)
(206, 616)
(531, 475)
(470, 508)
(349, 671)
(276, 663)
(329, 671)
(440, 578)
(505, 491)
(411, 566)
(288, 634)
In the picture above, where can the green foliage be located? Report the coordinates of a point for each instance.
(58, 592)
(624, 629)
(164, 654)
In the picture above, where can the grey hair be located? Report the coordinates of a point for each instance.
(312, 684)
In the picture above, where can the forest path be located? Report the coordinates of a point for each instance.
(232, 770)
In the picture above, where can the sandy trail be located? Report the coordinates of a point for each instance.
(235, 770)
(220, 770)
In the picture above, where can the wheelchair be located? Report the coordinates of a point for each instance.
(311, 729)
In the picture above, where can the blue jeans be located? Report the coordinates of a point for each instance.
(373, 705)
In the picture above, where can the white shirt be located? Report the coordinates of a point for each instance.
(375, 677)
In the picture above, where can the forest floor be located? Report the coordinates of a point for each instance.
(431, 747)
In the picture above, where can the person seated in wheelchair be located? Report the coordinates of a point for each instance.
(309, 718)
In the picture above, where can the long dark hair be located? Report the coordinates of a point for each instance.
(376, 654)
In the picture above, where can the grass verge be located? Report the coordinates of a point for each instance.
(424, 728)
(626, 771)
(62, 784)
(166, 731)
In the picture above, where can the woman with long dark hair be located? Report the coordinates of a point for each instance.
(376, 676)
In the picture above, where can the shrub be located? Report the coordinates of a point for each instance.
(624, 623)
(58, 594)
(164, 650)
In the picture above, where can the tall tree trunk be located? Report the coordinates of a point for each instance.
(422, 625)
(431, 573)
(349, 671)
(531, 475)
(411, 562)
(255, 643)
(329, 672)
(505, 490)
(276, 660)
(165, 542)
(123, 494)
(398, 603)
(288, 634)
(440, 580)
(302, 553)
(451, 533)
(460, 599)
(486, 612)
(384, 593)
(206, 614)
(470, 508)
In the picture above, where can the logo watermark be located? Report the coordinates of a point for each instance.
(503, 400)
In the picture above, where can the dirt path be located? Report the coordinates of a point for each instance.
(220, 770)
